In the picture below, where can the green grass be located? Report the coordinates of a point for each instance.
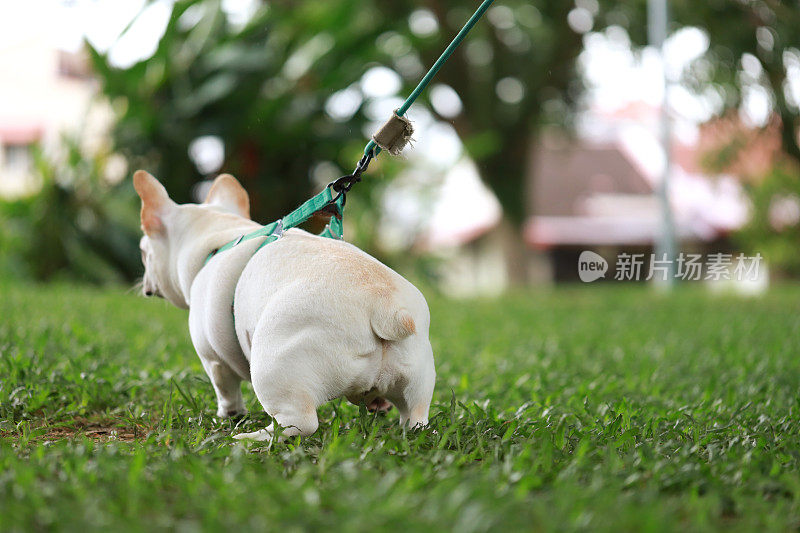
(602, 408)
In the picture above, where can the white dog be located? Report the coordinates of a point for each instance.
(307, 319)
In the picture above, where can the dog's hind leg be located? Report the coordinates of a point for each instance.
(227, 386)
(283, 379)
(415, 379)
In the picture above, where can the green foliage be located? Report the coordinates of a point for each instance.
(611, 409)
(77, 226)
(767, 30)
(774, 228)
(261, 88)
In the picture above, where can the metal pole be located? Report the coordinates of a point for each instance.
(657, 21)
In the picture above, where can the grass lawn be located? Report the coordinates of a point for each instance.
(585, 408)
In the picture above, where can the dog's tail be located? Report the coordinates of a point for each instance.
(392, 324)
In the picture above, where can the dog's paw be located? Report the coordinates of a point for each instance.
(260, 435)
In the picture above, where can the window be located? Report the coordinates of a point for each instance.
(17, 158)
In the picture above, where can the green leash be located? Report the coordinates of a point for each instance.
(371, 145)
(332, 198)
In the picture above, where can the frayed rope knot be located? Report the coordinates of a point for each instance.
(395, 134)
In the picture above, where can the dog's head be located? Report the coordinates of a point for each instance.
(167, 225)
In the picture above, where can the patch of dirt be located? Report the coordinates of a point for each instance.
(97, 430)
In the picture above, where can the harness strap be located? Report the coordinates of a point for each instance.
(323, 201)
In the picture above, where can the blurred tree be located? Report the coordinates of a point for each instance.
(263, 88)
(514, 74)
(260, 88)
(77, 226)
(774, 227)
(763, 33)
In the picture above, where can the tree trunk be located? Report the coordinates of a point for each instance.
(507, 174)
(515, 253)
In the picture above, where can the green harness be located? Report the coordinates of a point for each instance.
(330, 201)
(324, 202)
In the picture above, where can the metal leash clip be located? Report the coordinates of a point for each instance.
(345, 183)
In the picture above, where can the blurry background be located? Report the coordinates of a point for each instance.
(540, 138)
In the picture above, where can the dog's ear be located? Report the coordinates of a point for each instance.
(228, 194)
(155, 201)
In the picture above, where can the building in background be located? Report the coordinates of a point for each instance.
(598, 192)
(592, 191)
(44, 92)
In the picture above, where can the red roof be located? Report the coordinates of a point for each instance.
(20, 134)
